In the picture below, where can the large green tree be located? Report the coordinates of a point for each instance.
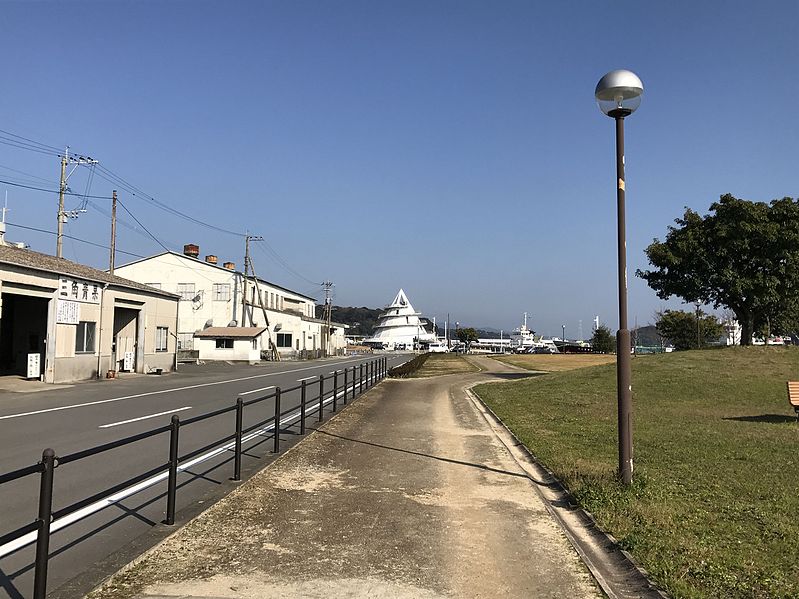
(689, 330)
(467, 335)
(743, 256)
(603, 341)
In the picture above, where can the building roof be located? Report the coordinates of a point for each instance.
(61, 266)
(230, 332)
(211, 265)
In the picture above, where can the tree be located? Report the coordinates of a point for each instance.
(467, 335)
(743, 256)
(689, 330)
(603, 341)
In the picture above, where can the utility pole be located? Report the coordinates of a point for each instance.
(62, 190)
(247, 239)
(328, 285)
(113, 231)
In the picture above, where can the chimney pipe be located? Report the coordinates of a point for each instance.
(192, 250)
(230, 265)
(211, 259)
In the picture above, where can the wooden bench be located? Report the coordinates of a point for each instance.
(793, 396)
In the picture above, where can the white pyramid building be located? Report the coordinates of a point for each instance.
(399, 326)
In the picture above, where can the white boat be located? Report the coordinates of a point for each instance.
(523, 340)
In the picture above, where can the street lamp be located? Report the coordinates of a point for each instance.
(618, 94)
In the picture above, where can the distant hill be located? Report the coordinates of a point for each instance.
(362, 321)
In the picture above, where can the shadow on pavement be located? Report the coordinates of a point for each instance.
(439, 458)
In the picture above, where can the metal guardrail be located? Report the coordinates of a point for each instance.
(363, 376)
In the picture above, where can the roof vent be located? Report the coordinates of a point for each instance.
(210, 259)
(230, 265)
(191, 250)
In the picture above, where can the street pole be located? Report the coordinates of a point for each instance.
(113, 231)
(623, 362)
(62, 188)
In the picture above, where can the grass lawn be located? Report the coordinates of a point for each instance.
(437, 364)
(554, 362)
(714, 506)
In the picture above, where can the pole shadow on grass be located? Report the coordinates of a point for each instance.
(766, 418)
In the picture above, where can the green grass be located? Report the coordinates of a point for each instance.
(714, 507)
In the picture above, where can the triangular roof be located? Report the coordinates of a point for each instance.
(401, 301)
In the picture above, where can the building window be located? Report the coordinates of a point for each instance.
(154, 285)
(224, 344)
(186, 291)
(161, 338)
(222, 292)
(186, 341)
(84, 337)
(284, 340)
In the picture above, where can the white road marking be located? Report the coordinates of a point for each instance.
(102, 401)
(257, 390)
(143, 417)
(29, 538)
(308, 378)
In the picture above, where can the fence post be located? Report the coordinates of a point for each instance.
(45, 516)
(302, 408)
(354, 381)
(345, 386)
(321, 396)
(173, 469)
(277, 420)
(360, 378)
(335, 390)
(237, 451)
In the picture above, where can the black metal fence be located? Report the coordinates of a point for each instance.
(346, 383)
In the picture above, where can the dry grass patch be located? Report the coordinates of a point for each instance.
(438, 364)
(555, 362)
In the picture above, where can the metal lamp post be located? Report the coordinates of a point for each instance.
(619, 94)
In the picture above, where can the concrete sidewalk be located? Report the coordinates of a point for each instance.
(408, 493)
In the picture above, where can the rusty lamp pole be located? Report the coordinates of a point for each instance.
(618, 94)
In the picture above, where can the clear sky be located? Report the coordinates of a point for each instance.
(452, 148)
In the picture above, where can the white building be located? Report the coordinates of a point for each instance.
(400, 327)
(211, 297)
(62, 321)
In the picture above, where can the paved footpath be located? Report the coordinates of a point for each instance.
(407, 493)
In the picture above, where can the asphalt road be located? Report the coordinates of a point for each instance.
(90, 414)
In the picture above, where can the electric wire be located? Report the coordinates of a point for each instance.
(32, 141)
(270, 252)
(68, 193)
(138, 193)
(99, 245)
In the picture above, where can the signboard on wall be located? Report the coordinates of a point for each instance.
(127, 362)
(79, 291)
(67, 312)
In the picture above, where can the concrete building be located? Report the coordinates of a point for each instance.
(242, 344)
(62, 321)
(211, 297)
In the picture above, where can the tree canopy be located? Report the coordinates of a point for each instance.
(743, 256)
(688, 330)
(603, 341)
(467, 335)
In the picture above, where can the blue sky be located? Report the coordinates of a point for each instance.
(452, 148)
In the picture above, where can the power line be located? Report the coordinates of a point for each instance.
(136, 192)
(68, 193)
(38, 143)
(271, 253)
(99, 245)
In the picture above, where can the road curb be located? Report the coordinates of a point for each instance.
(613, 568)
